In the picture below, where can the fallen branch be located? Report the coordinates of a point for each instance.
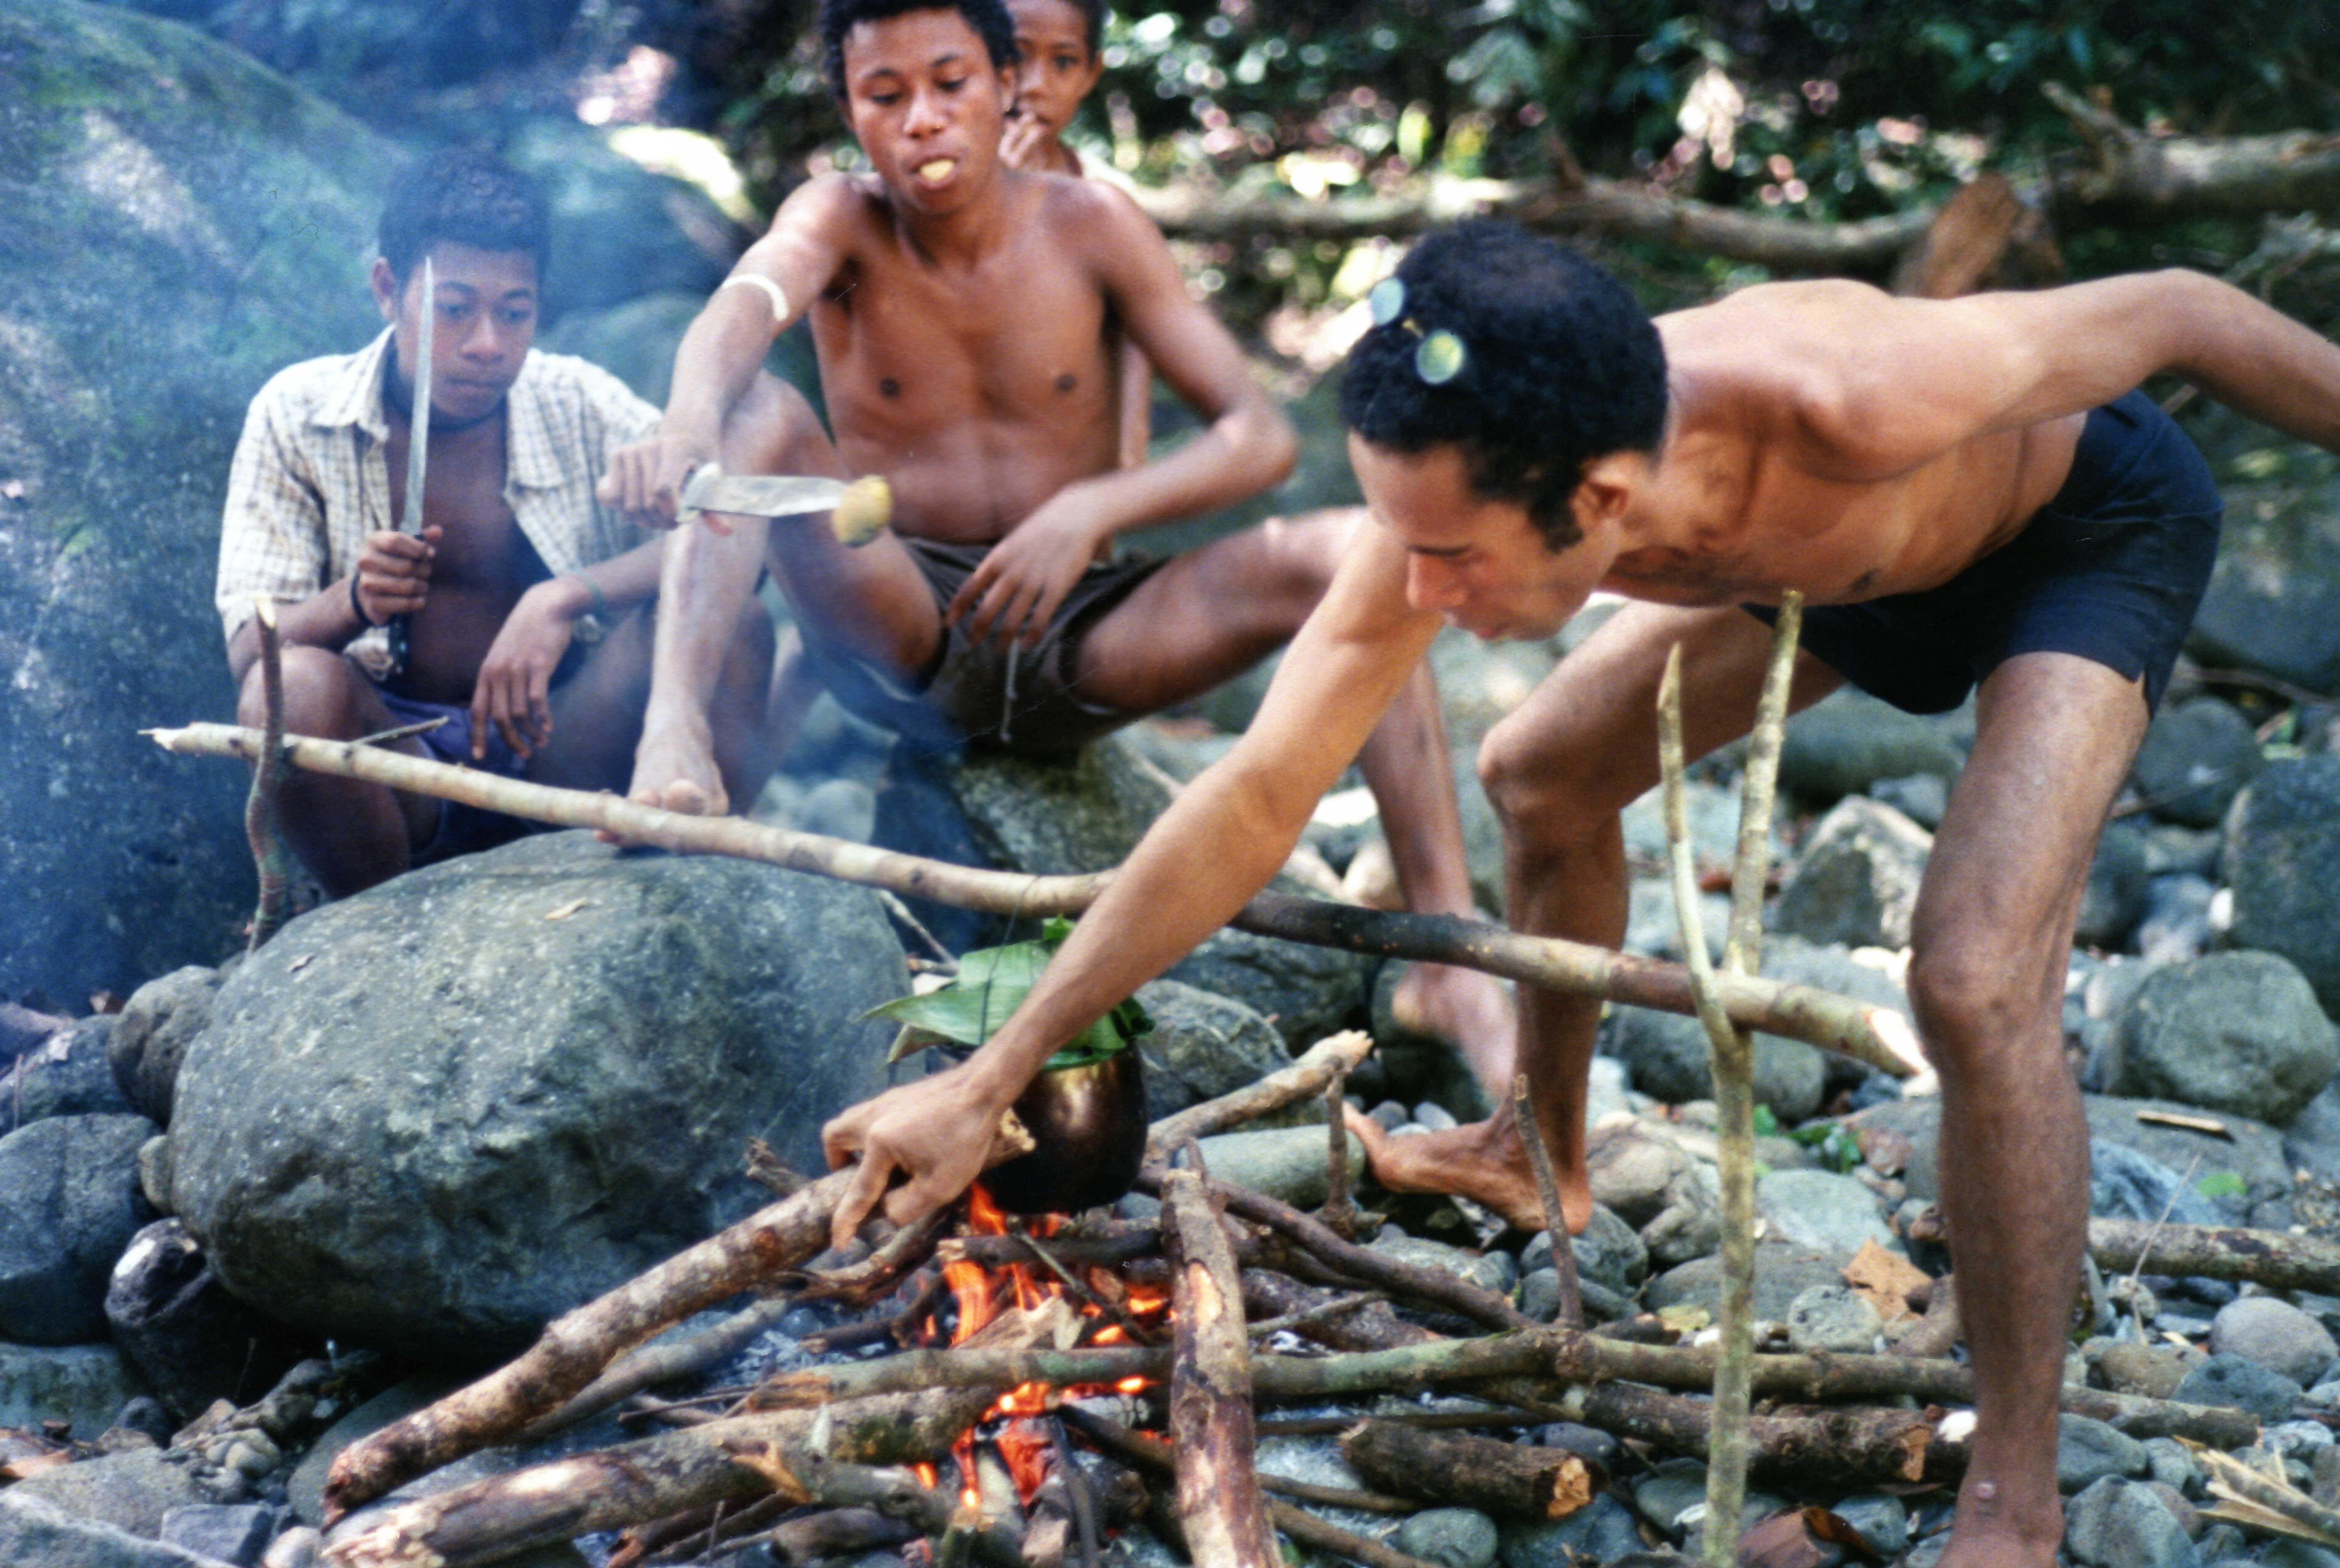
(2277, 1506)
(2272, 1258)
(655, 1364)
(1210, 1386)
(1555, 1224)
(575, 1347)
(1331, 1057)
(1877, 1037)
(685, 1469)
(2193, 176)
(1844, 1447)
(1300, 1525)
(1459, 1470)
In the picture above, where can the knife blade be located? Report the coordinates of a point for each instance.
(418, 442)
(861, 508)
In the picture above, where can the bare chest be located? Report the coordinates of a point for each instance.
(479, 543)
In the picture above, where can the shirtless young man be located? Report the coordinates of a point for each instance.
(1966, 491)
(967, 317)
(525, 603)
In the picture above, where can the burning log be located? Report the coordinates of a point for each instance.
(575, 1347)
(1459, 1470)
(1210, 1388)
(824, 1457)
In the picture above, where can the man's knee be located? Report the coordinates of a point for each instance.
(1543, 787)
(1976, 988)
(321, 694)
(774, 430)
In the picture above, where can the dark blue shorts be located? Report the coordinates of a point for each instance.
(463, 830)
(2111, 569)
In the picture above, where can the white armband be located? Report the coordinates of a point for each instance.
(758, 281)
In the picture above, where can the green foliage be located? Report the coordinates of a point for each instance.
(990, 985)
(2222, 1183)
(1833, 1144)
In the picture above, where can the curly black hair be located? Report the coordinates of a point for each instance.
(838, 17)
(469, 198)
(1560, 365)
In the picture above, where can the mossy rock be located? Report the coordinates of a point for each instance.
(182, 222)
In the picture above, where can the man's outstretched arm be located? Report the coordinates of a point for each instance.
(1221, 841)
(1888, 383)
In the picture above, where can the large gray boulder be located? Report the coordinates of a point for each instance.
(69, 1204)
(1667, 1055)
(2236, 1032)
(1085, 813)
(2282, 859)
(433, 1116)
(181, 223)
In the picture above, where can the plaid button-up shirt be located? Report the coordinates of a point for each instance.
(310, 481)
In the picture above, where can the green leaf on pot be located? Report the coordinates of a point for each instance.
(990, 985)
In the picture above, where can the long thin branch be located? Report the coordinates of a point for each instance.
(1210, 1386)
(1877, 1037)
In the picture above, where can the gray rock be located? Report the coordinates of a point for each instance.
(1607, 1252)
(2195, 758)
(1881, 1518)
(2087, 1451)
(1202, 1045)
(2175, 925)
(1671, 1489)
(633, 340)
(171, 195)
(839, 807)
(85, 1384)
(618, 230)
(2301, 1440)
(1451, 1537)
(1855, 880)
(1923, 798)
(2241, 1385)
(154, 1172)
(2113, 901)
(2285, 1552)
(1632, 1170)
(1653, 927)
(1287, 1162)
(2273, 604)
(396, 1133)
(305, 1490)
(2238, 1032)
(2152, 1369)
(1782, 1273)
(1665, 1054)
(1690, 1226)
(2170, 1464)
(1602, 1531)
(2171, 850)
(69, 1204)
(66, 1075)
(1844, 744)
(129, 1490)
(1539, 1293)
(2312, 1141)
(2249, 1149)
(151, 1037)
(1820, 1211)
(1833, 1317)
(234, 1532)
(1084, 813)
(2275, 1335)
(2117, 1524)
(2282, 860)
(193, 1342)
(34, 1534)
(1713, 817)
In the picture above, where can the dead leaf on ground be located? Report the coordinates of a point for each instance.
(1883, 1150)
(567, 909)
(1885, 1279)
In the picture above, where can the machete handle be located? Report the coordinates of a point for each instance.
(864, 511)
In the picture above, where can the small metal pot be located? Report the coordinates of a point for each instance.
(1089, 1127)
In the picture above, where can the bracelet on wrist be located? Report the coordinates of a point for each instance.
(600, 607)
(357, 606)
